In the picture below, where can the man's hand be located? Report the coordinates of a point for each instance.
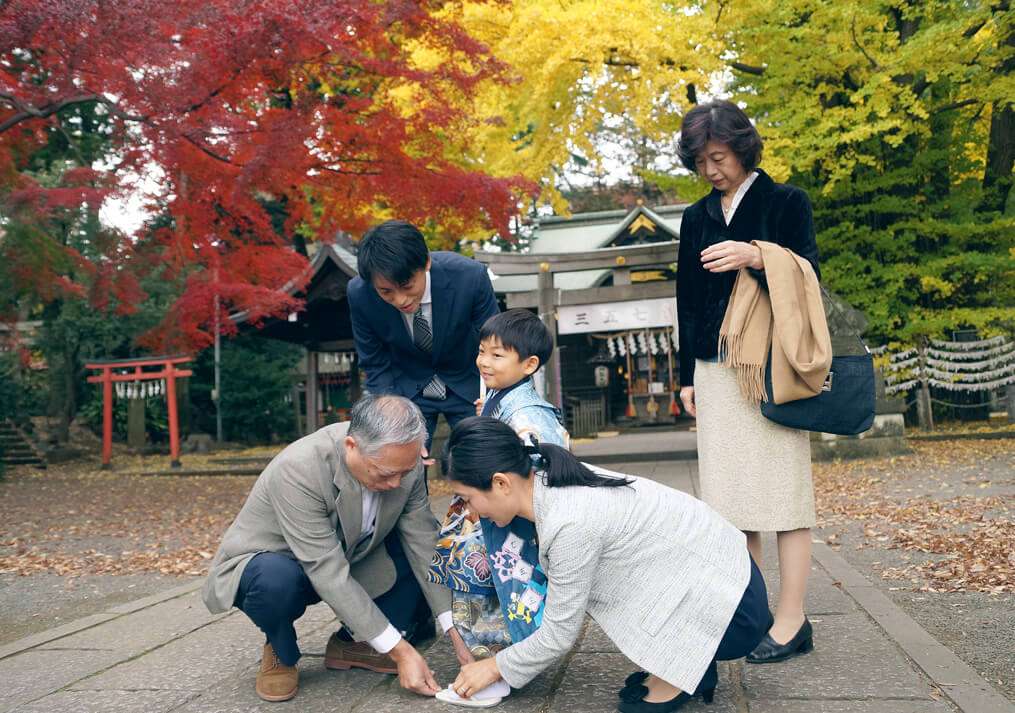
(478, 403)
(462, 652)
(474, 677)
(425, 454)
(687, 399)
(731, 255)
(413, 673)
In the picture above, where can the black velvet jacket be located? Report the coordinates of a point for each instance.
(768, 211)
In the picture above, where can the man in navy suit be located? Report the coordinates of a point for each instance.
(416, 317)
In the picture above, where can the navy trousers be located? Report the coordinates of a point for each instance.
(749, 625)
(275, 591)
(454, 408)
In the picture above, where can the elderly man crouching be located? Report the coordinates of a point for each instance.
(342, 516)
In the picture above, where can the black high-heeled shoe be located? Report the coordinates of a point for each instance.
(770, 651)
(632, 700)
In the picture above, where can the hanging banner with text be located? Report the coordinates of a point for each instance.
(617, 316)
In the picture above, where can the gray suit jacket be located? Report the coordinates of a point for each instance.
(660, 571)
(308, 506)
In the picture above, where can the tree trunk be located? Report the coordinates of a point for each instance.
(997, 178)
(941, 130)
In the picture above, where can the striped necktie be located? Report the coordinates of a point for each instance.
(422, 337)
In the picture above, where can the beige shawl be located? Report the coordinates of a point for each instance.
(787, 320)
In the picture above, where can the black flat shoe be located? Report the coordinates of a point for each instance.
(769, 651)
(635, 679)
(631, 701)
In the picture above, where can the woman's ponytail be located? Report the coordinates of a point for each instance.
(563, 470)
(480, 446)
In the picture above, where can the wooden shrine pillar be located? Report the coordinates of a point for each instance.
(107, 418)
(312, 405)
(547, 313)
(174, 423)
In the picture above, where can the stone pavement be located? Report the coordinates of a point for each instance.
(650, 444)
(167, 653)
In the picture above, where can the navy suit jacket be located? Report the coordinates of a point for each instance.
(462, 300)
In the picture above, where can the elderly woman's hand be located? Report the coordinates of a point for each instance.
(474, 677)
(731, 255)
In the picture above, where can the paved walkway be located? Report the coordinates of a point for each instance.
(650, 445)
(166, 653)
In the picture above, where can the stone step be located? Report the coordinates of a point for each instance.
(21, 450)
(16, 449)
(21, 460)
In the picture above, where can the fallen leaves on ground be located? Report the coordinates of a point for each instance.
(922, 503)
(74, 519)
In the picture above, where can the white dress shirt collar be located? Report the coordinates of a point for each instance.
(738, 196)
(426, 304)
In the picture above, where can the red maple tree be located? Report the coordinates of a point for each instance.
(238, 106)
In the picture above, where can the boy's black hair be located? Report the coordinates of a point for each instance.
(394, 250)
(522, 331)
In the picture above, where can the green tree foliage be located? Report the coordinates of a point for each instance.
(887, 112)
(257, 377)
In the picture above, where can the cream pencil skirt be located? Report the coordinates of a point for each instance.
(752, 471)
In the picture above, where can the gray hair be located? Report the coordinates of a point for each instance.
(383, 420)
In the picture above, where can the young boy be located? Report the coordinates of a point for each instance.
(494, 572)
(513, 346)
(416, 317)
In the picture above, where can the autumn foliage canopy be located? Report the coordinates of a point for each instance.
(259, 126)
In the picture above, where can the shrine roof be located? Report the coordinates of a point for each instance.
(585, 232)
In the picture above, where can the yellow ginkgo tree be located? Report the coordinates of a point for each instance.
(576, 64)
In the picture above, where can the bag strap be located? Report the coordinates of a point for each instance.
(826, 295)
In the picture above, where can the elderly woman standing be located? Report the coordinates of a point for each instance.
(755, 473)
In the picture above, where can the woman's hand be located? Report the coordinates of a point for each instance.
(687, 399)
(731, 255)
(462, 652)
(474, 677)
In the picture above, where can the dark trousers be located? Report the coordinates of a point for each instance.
(749, 625)
(275, 591)
(454, 408)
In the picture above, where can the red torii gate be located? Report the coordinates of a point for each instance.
(169, 372)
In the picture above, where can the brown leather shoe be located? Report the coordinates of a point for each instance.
(343, 655)
(275, 680)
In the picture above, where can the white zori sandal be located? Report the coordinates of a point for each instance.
(487, 698)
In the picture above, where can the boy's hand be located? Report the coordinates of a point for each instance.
(687, 398)
(425, 455)
(462, 652)
(478, 403)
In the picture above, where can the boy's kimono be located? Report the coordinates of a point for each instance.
(494, 571)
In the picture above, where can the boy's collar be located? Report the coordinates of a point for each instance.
(514, 385)
(494, 400)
